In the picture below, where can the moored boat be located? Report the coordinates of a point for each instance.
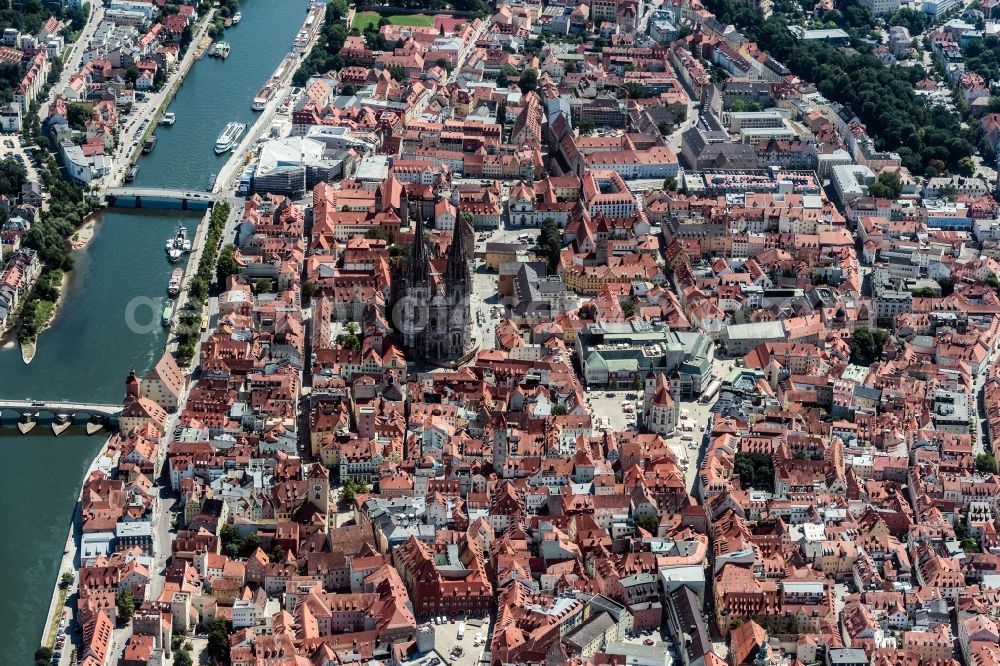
(168, 119)
(132, 172)
(149, 144)
(229, 137)
(174, 286)
(178, 245)
(168, 313)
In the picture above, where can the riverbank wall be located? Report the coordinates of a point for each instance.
(70, 560)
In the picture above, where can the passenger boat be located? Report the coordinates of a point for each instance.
(168, 313)
(211, 183)
(178, 245)
(149, 144)
(174, 286)
(132, 172)
(229, 137)
(277, 80)
(168, 119)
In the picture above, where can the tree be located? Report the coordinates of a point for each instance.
(587, 126)
(549, 243)
(218, 638)
(250, 545)
(126, 605)
(396, 72)
(948, 192)
(182, 658)
(528, 81)
(227, 265)
(886, 186)
(670, 184)
(12, 176)
(966, 166)
(132, 74)
(867, 344)
(66, 580)
(43, 656)
(986, 462)
(649, 523)
(467, 218)
(352, 489)
(634, 91)
(263, 286)
(350, 339)
(637, 382)
(755, 469)
(947, 286)
(629, 308)
(348, 492)
(558, 410)
(228, 535)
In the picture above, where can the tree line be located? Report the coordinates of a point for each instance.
(882, 97)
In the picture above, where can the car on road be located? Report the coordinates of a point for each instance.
(649, 641)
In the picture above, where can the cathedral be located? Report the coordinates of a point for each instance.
(434, 310)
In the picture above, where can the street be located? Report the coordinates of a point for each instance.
(72, 64)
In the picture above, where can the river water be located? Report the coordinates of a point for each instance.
(108, 322)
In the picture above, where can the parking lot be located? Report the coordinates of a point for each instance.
(656, 642)
(610, 406)
(11, 145)
(446, 640)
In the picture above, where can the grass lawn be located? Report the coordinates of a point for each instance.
(363, 19)
(417, 20)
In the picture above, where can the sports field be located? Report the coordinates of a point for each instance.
(363, 19)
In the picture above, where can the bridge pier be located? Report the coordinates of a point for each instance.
(60, 423)
(26, 423)
(95, 424)
(138, 201)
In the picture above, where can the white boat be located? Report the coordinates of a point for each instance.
(168, 119)
(229, 137)
(174, 287)
(178, 245)
(237, 17)
(277, 80)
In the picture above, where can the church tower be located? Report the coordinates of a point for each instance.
(416, 289)
(319, 488)
(132, 387)
(434, 311)
(458, 282)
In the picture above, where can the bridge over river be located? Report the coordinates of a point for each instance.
(159, 198)
(62, 414)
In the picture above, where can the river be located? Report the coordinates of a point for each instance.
(108, 322)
